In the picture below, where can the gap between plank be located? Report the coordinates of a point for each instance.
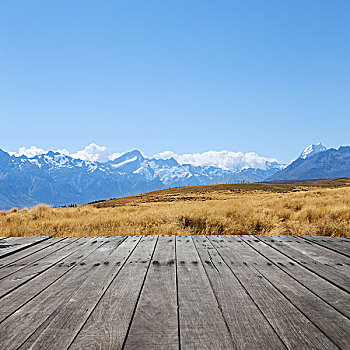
(93, 309)
(34, 296)
(325, 246)
(211, 286)
(248, 294)
(177, 297)
(25, 247)
(139, 296)
(305, 315)
(286, 272)
(326, 279)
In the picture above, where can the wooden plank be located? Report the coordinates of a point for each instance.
(22, 276)
(19, 243)
(326, 238)
(155, 324)
(13, 301)
(294, 329)
(319, 253)
(324, 271)
(33, 259)
(38, 312)
(202, 324)
(108, 324)
(339, 246)
(332, 323)
(242, 315)
(12, 259)
(331, 294)
(59, 330)
(8, 240)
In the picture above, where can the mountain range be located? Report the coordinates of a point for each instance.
(58, 179)
(316, 163)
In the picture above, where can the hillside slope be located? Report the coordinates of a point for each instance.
(10, 197)
(57, 179)
(320, 208)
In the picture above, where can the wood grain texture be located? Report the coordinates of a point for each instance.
(202, 324)
(16, 244)
(319, 253)
(331, 294)
(295, 330)
(325, 271)
(37, 310)
(155, 324)
(64, 324)
(332, 323)
(16, 258)
(241, 314)
(26, 261)
(340, 246)
(19, 297)
(167, 292)
(13, 281)
(109, 322)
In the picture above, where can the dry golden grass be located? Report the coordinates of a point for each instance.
(296, 210)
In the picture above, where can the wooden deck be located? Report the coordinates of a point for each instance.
(167, 292)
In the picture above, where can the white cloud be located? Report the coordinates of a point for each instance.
(92, 152)
(29, 152)
(222, 159)
(227, 160)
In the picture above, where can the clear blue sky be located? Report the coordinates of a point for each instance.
(188, 76)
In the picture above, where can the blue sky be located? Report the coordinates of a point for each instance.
(187, 76)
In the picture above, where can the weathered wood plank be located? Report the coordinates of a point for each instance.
(332, 323)
(235, 295)
(242, 316)
(59, 330)
(108, 324)
(19, 243)
(202, 324)
(324, 271)
(294, 329)
(334, 296)
(40, 310)
(12, 259)
(326, 238)
(13, 301)
(339, 246)
(13, 281)
(155, 324)
(319, 253)
(26, 261)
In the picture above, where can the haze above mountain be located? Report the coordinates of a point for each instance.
(34, 175)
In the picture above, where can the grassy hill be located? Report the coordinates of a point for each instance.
(225, 191)
(318, 207)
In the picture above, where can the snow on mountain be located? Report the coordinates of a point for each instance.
(311, 150)
(227, 160)
(58, 179)
(330, 163)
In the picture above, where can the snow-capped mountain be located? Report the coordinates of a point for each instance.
(58, 179)
(311, 150)
(330, 163)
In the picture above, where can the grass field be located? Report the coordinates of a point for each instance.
(314, 208)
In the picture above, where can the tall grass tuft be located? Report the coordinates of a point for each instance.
(323, 212)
